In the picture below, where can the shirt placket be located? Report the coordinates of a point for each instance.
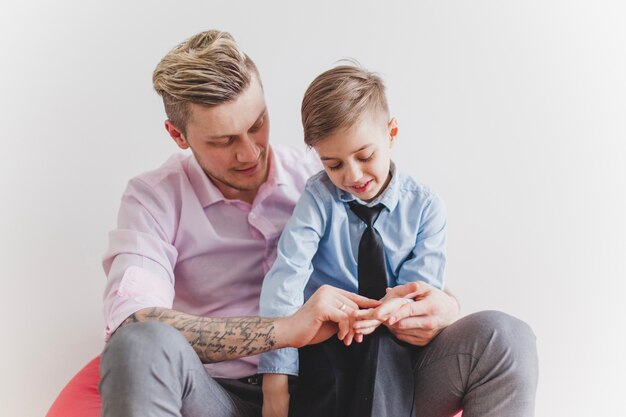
(265, 230)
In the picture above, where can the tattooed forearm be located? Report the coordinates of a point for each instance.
(216, 339)
(131, 319)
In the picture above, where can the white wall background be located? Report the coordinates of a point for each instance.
(514, 111)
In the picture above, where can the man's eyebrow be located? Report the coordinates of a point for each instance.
(263, 113)
(326, 158)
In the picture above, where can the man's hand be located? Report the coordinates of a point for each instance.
(328, 311)
(416, 322)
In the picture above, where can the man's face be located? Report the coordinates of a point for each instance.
(230, 142)
(357, 160)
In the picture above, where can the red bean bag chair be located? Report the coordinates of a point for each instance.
(80, 397)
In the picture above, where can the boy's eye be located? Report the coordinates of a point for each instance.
(334, 167)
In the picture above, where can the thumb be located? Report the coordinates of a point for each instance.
(410, 290)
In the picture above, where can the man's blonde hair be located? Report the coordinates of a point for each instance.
(207, 69)
(337, 98)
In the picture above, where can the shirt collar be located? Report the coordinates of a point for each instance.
(388, 198)
(209, 194)
(277, 173)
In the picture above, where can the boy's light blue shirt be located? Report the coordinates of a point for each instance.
(320, 244)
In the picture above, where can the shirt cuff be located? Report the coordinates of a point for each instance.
(280, 361)
(138, 289)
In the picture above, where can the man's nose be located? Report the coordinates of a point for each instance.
(248, 150)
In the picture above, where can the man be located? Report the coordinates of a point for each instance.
(195, 238)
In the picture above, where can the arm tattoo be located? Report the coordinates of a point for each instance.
(131, 319)
(215, 339)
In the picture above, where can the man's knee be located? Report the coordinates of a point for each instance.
(506, 341)
(141, 342)
(504, 328)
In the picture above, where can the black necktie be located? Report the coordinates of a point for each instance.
(372, 268)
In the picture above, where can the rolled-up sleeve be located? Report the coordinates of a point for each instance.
(140, 258)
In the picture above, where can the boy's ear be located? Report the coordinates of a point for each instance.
(392, 125)
(176, 134)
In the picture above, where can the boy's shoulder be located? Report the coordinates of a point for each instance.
(320, 184)
(409, 186)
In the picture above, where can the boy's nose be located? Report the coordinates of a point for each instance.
(354, 173)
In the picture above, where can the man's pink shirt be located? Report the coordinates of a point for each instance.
(181, 244)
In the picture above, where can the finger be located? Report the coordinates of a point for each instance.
(410, 290)
(385, 311)
(418, 338)
(341, 334)
(367, 314)
(363, 324)
(411, 339)
(348, 339)
(367, 330)
(358, 338)
(338, 316)
(412, 309)
(359, 301)
(415, 324)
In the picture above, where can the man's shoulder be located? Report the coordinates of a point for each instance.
(297, 161)
(174, 167)
(167, 181)
(294, 166)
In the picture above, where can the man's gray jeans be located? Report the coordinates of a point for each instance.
(485, 364)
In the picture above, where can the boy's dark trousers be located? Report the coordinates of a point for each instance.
(373, 378)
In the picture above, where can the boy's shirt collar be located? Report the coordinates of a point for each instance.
(388, 198)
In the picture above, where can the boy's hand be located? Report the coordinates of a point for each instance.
(275, 395)
(368, 320)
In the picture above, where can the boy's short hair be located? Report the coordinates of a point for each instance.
(337, 98)
(208, 69)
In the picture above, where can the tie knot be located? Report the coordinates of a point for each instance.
(367, 214)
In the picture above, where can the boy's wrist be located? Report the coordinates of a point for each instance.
(275, 384)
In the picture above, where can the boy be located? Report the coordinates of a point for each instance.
(334, 237)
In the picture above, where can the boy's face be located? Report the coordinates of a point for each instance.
(357, 160)
(230, 142)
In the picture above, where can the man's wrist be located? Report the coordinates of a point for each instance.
(454, 310)
(282, 333)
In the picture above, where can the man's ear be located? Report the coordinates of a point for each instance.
(392, 127)
(176, 134)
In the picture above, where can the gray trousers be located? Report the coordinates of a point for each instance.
(484, 364)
